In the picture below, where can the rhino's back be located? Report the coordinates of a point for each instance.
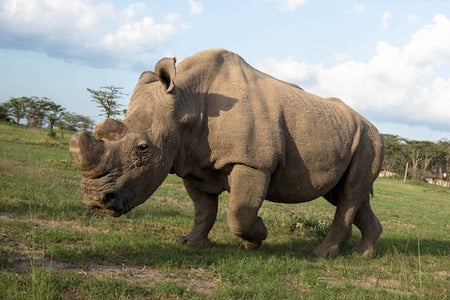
(306, 142)
(253, 116)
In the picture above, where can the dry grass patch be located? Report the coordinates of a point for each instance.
(51, 223)
(25, 258)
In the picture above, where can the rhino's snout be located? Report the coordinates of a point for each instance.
(110, 204)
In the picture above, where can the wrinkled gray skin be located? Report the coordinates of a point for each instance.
(221, 125)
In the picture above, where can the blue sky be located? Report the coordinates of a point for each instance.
(390, 60)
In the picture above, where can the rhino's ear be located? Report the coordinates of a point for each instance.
(165, 70)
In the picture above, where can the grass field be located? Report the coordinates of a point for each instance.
(52, 247)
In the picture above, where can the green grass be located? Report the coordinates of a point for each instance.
(52, 247)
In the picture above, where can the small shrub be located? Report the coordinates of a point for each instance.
(51, 134)
(310, 224)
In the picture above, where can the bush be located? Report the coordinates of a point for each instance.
(51, 134)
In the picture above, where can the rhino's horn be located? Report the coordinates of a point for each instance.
(110, 129)
(87, 152)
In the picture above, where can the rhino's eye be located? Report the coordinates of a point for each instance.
(142, 147)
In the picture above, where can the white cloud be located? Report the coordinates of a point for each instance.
(430, 45)
(358, 7)
(397, 84)
(96, 33)
(289, 69)
(385, 19)
(196, 7)
(290, 5)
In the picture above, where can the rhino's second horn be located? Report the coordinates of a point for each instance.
(86, 151)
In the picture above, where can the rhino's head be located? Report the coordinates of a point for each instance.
(125, 161)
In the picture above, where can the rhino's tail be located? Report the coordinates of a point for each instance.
(371, 191)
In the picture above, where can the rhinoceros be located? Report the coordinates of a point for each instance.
(221, 125)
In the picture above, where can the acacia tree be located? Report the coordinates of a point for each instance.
(394, 153)
(75, 122)
(420, 154)
(4, 113)
(85, 123)
(35, 111)
(16, 108)
(107, 99)
(54, 112)
(441, 161)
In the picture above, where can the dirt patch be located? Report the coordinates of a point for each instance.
(174, 201)
(369, 282)
(193, 279)
(406, 225)
(444, 273)
(49, 223)
(389, 285)
(23, 259)
(6, 165)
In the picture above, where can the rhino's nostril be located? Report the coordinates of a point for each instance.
(108, 198)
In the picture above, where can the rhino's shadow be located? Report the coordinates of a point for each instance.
(217, 103)
(413, 247)
(159, 254)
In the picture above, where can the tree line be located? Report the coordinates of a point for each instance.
(42, 112)
(423, 160)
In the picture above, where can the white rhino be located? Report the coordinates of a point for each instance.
(222, 125)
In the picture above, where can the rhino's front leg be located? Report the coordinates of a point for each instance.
(205, 206)
(248, 188)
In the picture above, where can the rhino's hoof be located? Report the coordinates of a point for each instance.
(327, 251)
(366, 251)
(181, 239)
(251, 245)
(187, 241)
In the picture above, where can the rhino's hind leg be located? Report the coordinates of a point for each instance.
(351, 197)
(340, 231)
(248, 188)
(348, 197)
(205, 206)
(370, 228)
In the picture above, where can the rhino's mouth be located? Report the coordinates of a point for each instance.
(111, 204)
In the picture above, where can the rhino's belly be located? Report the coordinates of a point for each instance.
(297, 191)
(299, 183)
